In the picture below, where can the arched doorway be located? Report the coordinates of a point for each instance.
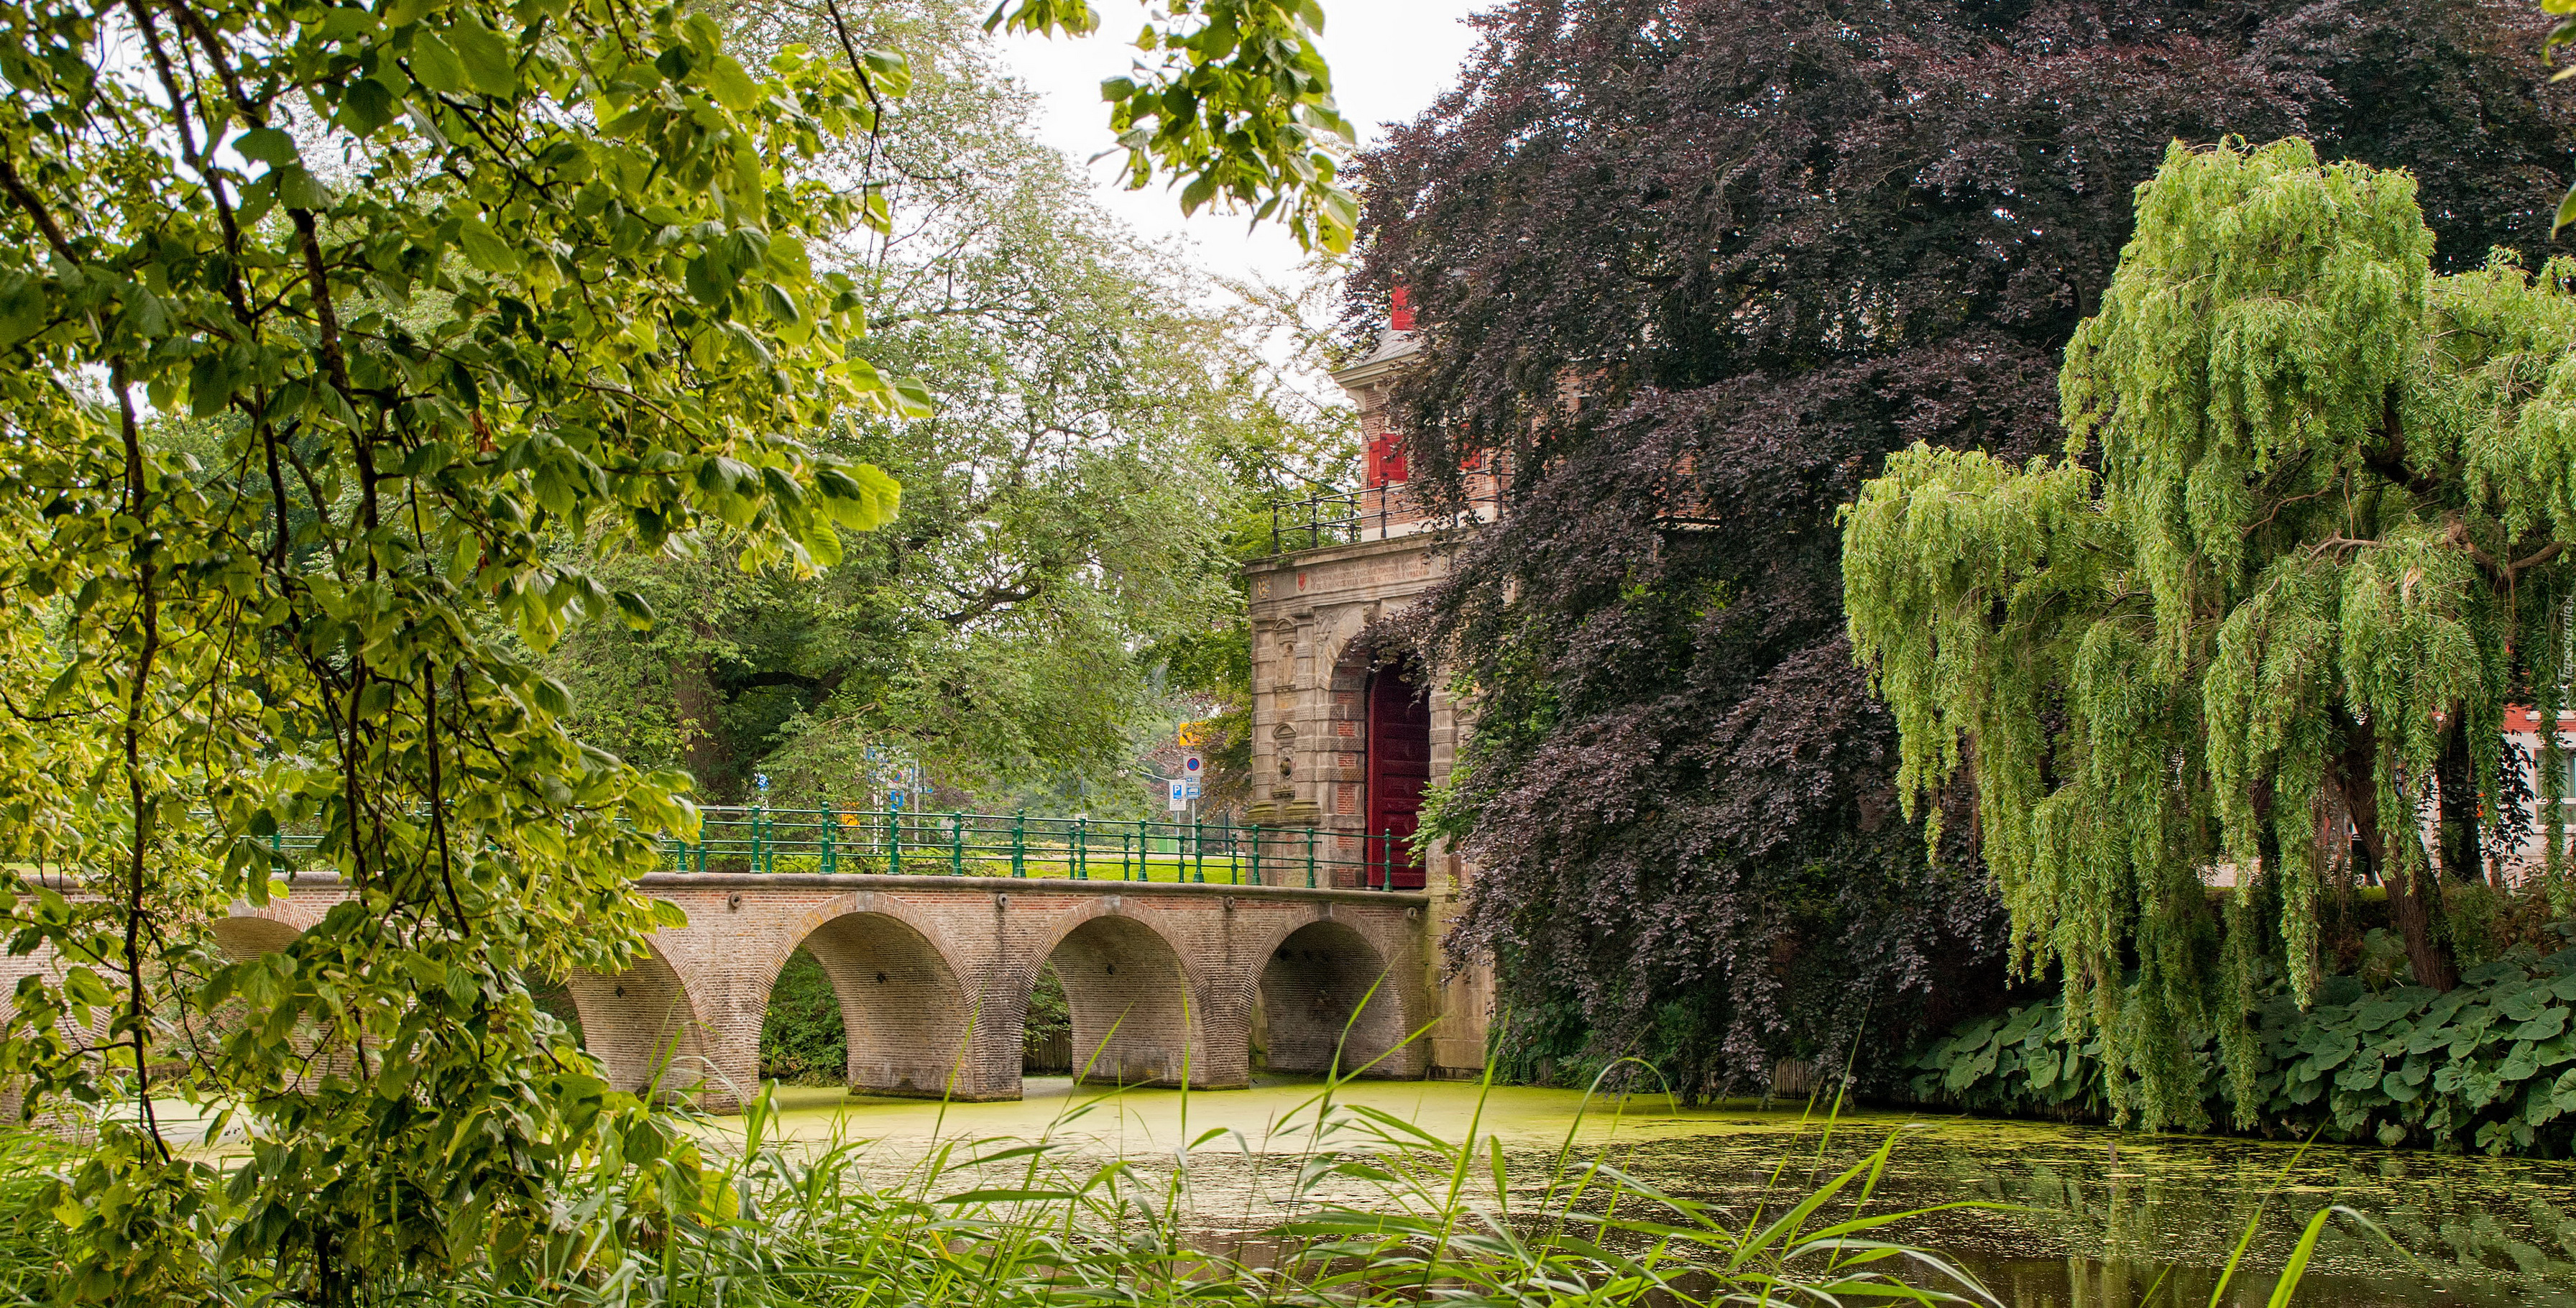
(1399, 770)
(1316, 999)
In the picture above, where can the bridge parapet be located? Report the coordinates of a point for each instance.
(1165, 981)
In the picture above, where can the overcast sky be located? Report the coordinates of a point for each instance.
(1390, 58)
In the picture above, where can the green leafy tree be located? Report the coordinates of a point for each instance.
(323, 329)
(1232, 99)
(2304, 544)
(1073, 504)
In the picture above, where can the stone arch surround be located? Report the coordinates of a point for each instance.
(643, 1026)
(243, 936)
(1134, 1020)
(904, 1011)
(1327, 990)
(684, 1020)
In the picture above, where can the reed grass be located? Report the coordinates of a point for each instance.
(1337, 1205)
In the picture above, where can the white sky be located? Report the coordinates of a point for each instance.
(1390, 59)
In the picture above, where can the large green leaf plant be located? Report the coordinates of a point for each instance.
(321, 327)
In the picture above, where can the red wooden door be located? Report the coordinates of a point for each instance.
(1399, 767)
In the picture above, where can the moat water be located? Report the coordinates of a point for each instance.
(2091, 1218)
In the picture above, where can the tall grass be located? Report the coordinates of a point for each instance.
(1336, 1205)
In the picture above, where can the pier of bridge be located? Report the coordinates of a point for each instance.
(933, 974)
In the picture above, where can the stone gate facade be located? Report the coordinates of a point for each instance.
(1319, 677)
(1166, 983)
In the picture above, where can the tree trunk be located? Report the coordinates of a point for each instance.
(2414, 898)
(2463, 858)
(695, 703)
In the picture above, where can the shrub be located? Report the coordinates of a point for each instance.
(2490, 1065)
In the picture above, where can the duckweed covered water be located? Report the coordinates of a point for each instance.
(2099, 1220)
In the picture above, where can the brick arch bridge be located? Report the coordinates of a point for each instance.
(933, 975)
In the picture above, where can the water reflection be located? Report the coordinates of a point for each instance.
(2150, 1222)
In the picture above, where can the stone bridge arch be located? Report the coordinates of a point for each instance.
(1194, 967)
(906, 1010)
(1324, 987)
(1133, 996)
(244, 935)
(648, 1032)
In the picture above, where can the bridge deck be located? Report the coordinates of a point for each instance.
(859, 881)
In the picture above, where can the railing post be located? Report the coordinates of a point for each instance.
(1020, 843)
(956, 844)
(1256, 857)
(1198, 850)
(831, 845)
(894, 842)
(1310, 858)
(1081, 868)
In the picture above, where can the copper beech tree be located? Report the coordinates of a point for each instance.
(1695, 268)
(2307, 538)
(326, 331)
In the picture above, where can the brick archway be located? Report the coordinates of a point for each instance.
(644, 1027)
(243, 936)
(904, 1013)
(1323, 980)
(1135, 1021)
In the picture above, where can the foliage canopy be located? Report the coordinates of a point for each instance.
(1692, 268)
(335, 344)
(1067, 504)
(2306, 540)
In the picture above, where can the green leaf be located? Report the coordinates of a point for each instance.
(23, 310)
(731, 86)
(638, 614)
(487, 59)
(266, 145)
(366, 106)
(436, 65)
(891, 72)
(298, 188)
(485, 249)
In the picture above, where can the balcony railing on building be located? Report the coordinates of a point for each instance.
(1376, 513)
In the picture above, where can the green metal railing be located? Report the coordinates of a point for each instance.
(851, 840)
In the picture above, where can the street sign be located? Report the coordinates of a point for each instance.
(1190, 765)
(1190, 788)
(1180, 796)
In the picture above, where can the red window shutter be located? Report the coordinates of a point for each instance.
(1386, 460)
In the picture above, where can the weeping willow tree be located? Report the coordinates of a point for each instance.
(2305, 544)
